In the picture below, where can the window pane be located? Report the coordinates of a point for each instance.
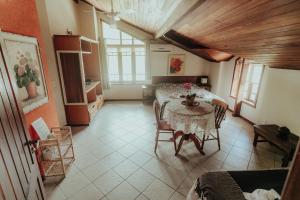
(126, 64)
(120, 47)
(126, 39)
(111, 35)
(253, 80)
(257, 70)
(113, 64)
(140, 64)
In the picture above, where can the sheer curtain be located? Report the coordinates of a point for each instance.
(104, 67)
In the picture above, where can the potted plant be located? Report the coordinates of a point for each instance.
(27, 75)
(190, 98)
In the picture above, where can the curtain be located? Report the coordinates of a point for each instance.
(104, 66)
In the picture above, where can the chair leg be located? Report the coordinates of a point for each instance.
(180, 144)
(156, 140)
(174, 140)
(203, 141)
(218, 138)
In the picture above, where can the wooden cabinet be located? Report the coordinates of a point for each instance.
(80, 76)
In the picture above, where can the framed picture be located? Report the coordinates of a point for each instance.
(204, 80)
(176, 64)
(24, 66)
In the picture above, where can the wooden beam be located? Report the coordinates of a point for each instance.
(206, 57)
(184, 7)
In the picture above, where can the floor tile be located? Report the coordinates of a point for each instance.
(94, 171)
(73, 184)
(141, 179)
(177, 196)
(127, 150)
(108, 181)
(140, 158)
(126, 168)
(90, 192)
(142, 197)
(115, 157)
(124, 191)
(158, 191)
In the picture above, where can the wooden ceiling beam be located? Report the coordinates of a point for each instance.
(184, 7)
(175, 43)
(194, 47)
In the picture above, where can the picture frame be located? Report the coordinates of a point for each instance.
(176, 64)
(25, 69)
(204, 80)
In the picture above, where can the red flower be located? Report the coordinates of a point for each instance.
(176, 63)
(187, 86)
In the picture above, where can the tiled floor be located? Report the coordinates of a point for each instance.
(115, 158)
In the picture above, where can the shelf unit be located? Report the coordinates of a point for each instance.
(80, 76)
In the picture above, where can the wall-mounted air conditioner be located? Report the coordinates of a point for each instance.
(161, 48)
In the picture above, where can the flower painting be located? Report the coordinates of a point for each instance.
(176, 64)
(24, 66)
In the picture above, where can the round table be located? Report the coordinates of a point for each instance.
(190, 120)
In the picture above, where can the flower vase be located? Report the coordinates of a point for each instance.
(31, 90)
(190, 100)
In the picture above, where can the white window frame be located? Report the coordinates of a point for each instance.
(132, 46)
(133, 63)
(246, 98)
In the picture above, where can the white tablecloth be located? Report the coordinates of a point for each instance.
(196, 119)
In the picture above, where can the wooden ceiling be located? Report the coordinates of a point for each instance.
(266, 31)
(149, 15)
(195, 47)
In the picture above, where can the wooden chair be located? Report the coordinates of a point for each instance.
(220, 111)
(162, 126)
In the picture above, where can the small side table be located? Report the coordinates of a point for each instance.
(148, 93)
(269, 134)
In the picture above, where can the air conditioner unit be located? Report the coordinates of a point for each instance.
(161, 48)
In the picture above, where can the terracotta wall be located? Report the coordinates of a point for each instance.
(21, 17)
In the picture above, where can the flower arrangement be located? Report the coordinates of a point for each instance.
(175, 65)
(27, 74)
(188, 87)
(189, 97)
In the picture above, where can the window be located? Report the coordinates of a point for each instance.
(246, 81)
(126, 56)
(252, 83)
(236, 77)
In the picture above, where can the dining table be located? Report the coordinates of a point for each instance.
(190, 122)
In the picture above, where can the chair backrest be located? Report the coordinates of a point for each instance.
(156, 108)
(220, 111)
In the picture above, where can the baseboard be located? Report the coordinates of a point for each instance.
(244, 118)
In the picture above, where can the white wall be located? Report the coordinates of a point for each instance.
(158, 63)
(56, 16)
(62, 15)
(221, 77)
(278, 100)
(194, 65)
(87, 20)
(53, 23)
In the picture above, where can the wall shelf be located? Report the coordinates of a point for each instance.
(91, 85)
(80, 72)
